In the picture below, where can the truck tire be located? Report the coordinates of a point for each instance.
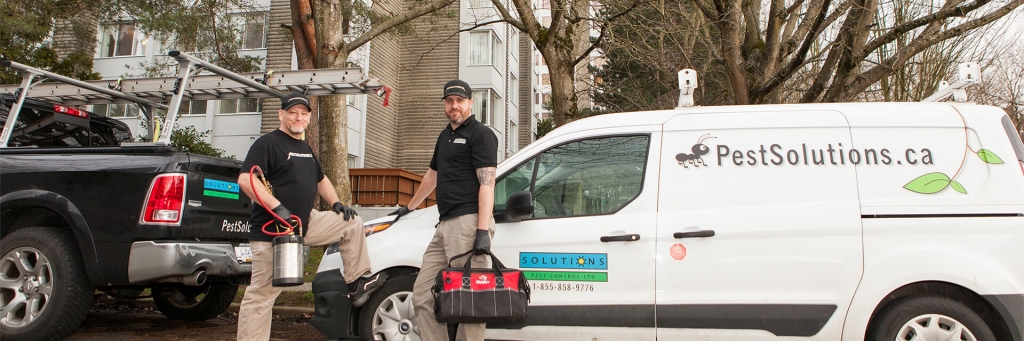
(200, 303)
(45, 291)
(926, 318)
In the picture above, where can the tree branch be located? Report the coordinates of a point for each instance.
(919, 44)
(897, 31)
(380, 28)
(801, 55)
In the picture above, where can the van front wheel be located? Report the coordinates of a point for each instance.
(928, 318)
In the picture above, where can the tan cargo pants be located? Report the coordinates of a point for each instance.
(254, 314)
(453, 236)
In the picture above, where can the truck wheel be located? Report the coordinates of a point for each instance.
(928, 318)
(46, 294)
(388, 314)
(200, 303)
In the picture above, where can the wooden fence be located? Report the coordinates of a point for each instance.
(385, 187)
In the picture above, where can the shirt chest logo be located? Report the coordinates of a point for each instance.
(298, 155)
(459, 140)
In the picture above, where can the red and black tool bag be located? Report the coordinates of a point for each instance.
(466, 295)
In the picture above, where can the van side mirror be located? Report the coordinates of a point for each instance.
(518, 207)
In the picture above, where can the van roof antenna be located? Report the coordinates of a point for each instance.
(970, 74)
(687, 86)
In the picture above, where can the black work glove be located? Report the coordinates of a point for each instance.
(482, 242)
(401, 211)
(348, 212)
(285, 215)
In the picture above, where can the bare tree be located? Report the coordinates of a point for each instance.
(326, 33)
(836, 44)
(565, 42)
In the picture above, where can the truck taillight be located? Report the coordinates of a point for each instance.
(70, 111)
(166, 200)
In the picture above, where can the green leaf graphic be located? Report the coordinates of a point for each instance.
(988, 156)
(930, 183)
(957, 187)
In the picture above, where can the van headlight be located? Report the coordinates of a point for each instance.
(374, 228)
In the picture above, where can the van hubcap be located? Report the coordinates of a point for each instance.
(393, 319)
(932, 327)
(26, 283)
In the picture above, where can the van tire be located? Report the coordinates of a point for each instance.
(927, 312)
(71, 294)
(181, 302)
(397, 290)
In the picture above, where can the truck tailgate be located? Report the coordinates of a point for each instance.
(215, 207)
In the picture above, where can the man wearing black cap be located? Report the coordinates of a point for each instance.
(295, 178)
(462, 170)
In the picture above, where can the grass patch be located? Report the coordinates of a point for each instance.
(316, 253)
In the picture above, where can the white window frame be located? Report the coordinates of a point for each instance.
(242, 22)
(512, 136)
(138, 47)
(478, 57)
(513, 89)
(116, 110)
(483, 100)
(226, 106)
(480, 4)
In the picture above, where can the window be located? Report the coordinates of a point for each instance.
(513, 89)
(587, 177)
(116, 110)
(512, 136)
(192, 108)
(482, 48)
(545, 79)
(482, 106)
(241, 105)
(480, 3)
(253, 30)
(513, 43)
(119, 40)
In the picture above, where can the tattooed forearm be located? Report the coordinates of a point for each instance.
(485, 175)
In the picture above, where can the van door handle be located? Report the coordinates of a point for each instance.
(621, 238)
(694, 234)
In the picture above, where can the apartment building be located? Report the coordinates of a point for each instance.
(494, 59)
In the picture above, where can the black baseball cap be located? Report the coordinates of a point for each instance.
(457, 87)
(294, 99)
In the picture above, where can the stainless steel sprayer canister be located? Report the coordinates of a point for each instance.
(288, 261)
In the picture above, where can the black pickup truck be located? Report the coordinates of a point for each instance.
(82, 210)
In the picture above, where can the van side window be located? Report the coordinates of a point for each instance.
(586, 177)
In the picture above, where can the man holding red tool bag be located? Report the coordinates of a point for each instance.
(462, 170)
(289, 167)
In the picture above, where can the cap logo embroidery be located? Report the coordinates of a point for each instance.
(454, 86)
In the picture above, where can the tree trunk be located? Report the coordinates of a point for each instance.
(563, 94)
(305, 49)
(333, 119)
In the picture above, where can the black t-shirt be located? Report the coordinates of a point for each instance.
(293, 172)
(457, 155)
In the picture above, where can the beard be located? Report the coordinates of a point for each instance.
(458, 118)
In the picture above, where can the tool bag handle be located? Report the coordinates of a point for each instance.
(495, 264)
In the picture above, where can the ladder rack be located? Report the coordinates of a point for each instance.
(154, 92)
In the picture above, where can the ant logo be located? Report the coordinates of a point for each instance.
(698, 150)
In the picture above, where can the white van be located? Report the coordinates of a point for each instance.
(852, 221)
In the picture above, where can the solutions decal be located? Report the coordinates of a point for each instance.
(564, 261)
